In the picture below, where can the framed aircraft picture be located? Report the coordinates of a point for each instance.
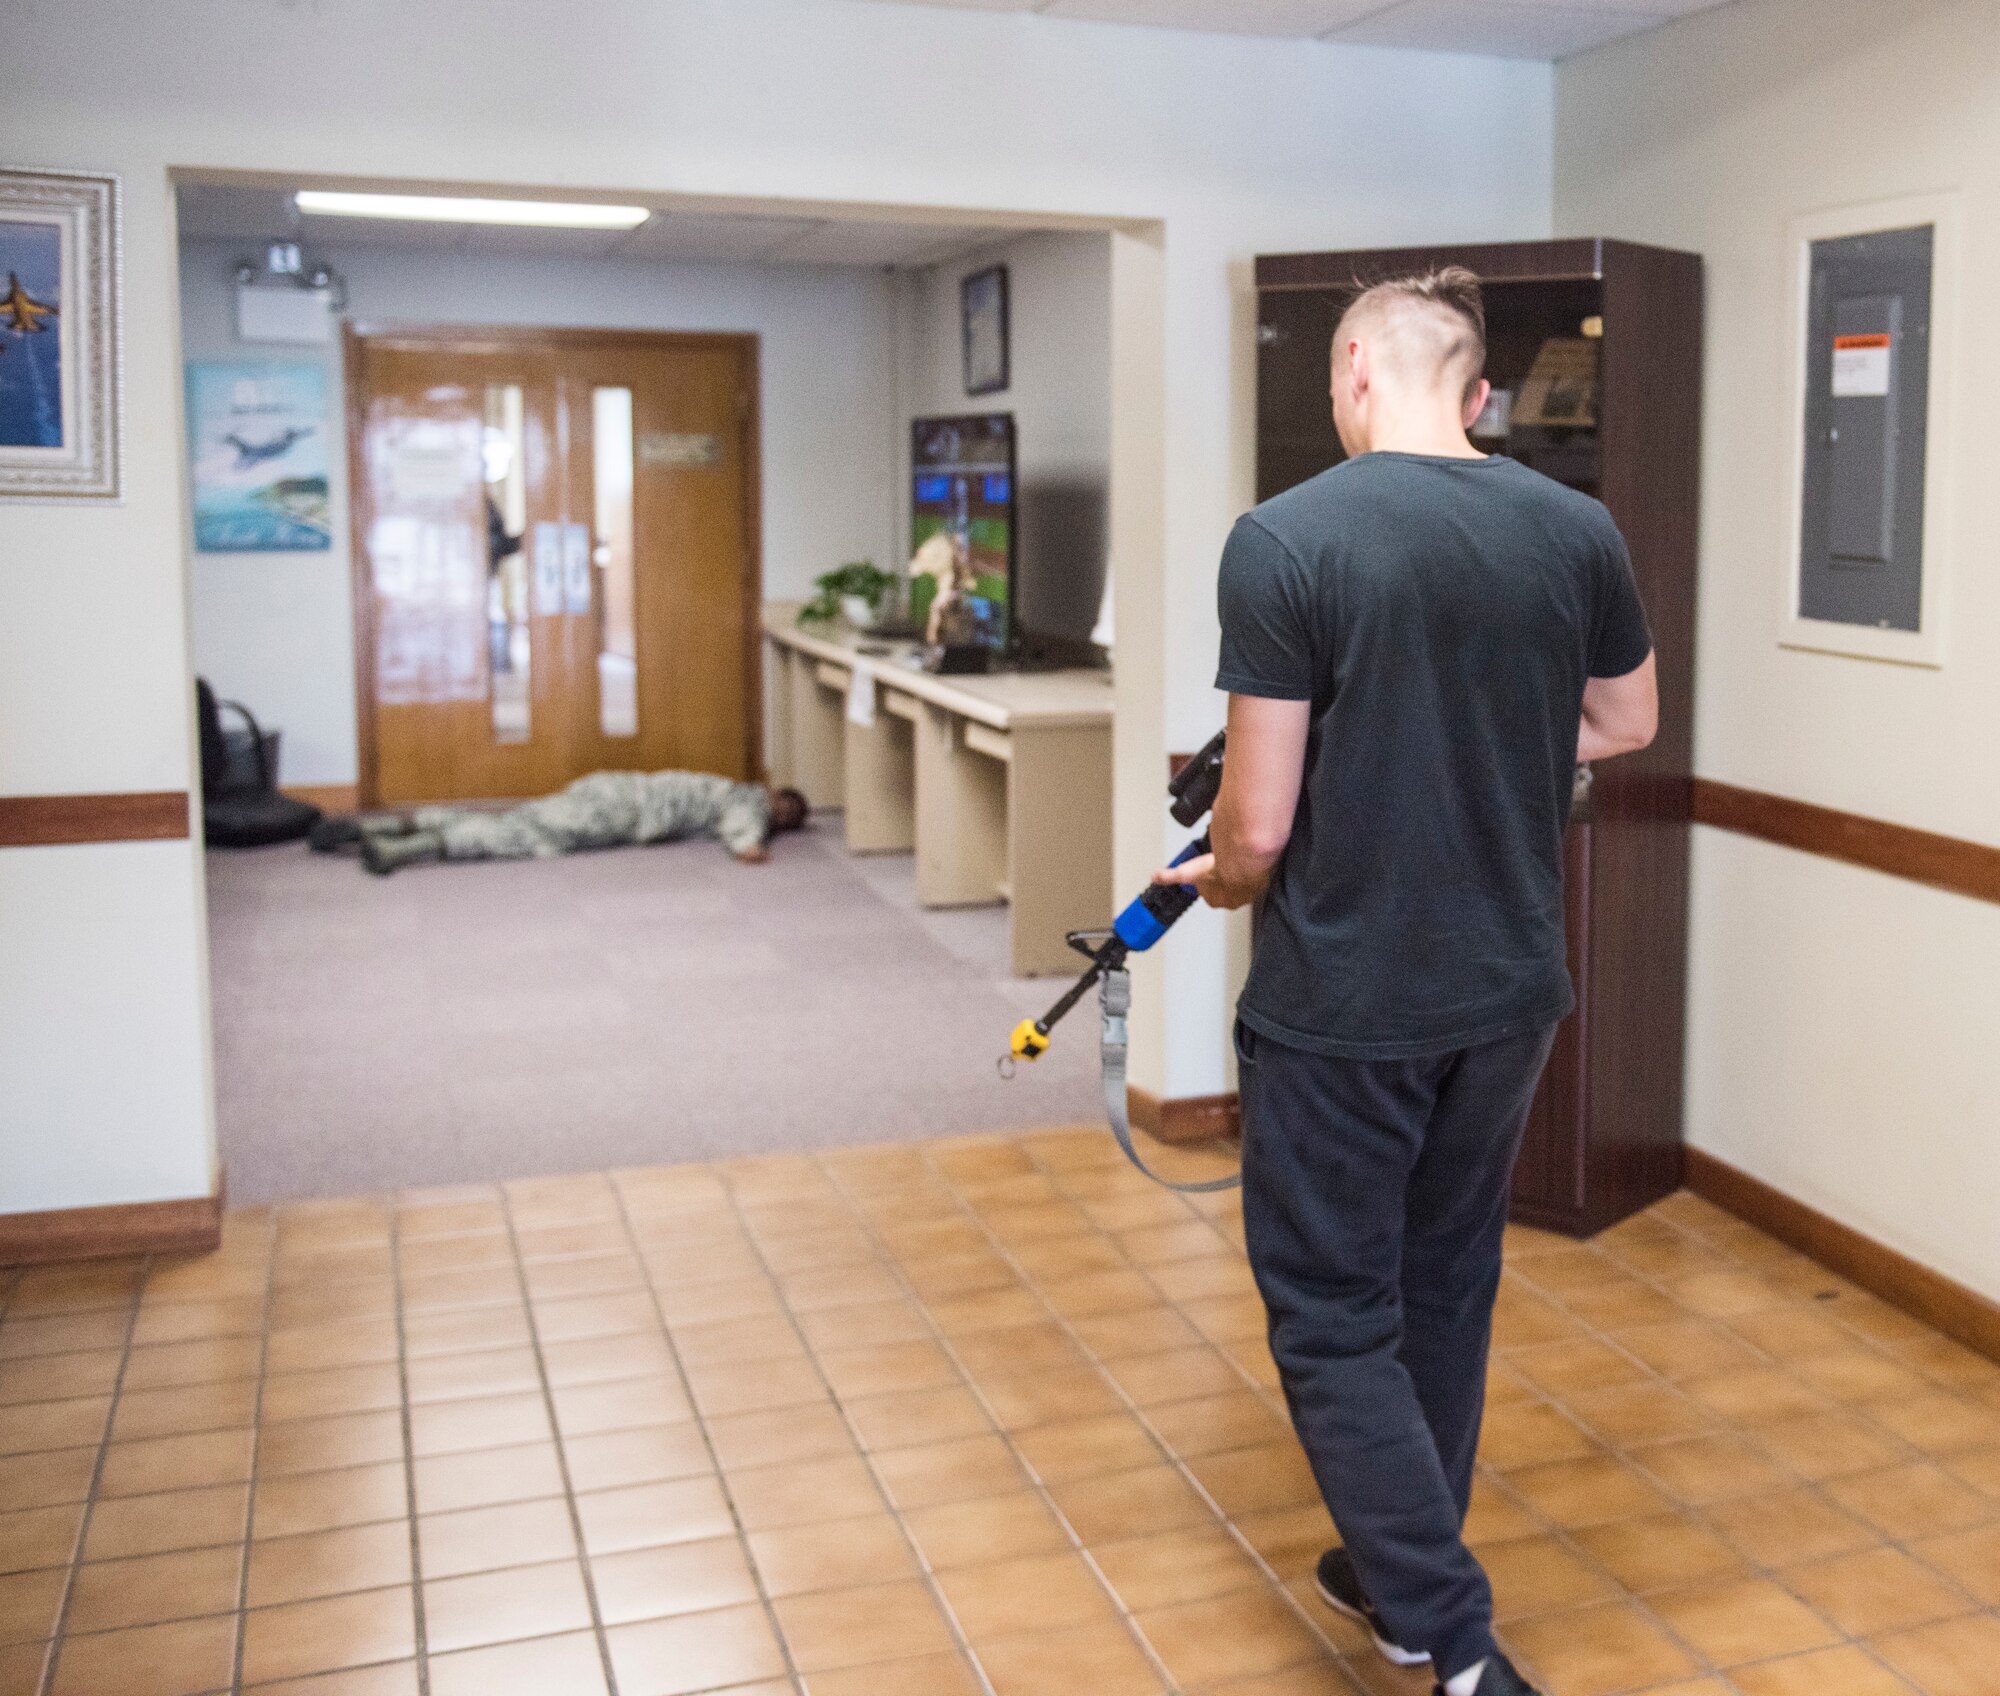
(257, 450)
(59, 352)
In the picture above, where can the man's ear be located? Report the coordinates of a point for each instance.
(1475, 403)
(1356, 374)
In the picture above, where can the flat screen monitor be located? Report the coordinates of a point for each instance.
(962, 484)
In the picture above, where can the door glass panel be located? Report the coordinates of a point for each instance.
(423, 555)
(611, 553)
(509, 655)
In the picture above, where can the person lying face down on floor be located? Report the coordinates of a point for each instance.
(607, 809)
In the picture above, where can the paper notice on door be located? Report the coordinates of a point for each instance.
(548, 569)
(861, 698)
(576, 568)
(1861, 366)
(431, 462)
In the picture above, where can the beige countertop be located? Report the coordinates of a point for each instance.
(1003, 699)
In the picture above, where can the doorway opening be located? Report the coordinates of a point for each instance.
(462, 1024)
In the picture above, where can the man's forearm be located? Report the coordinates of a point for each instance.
(1595, 744)
(1243, 865)
(1260, 798)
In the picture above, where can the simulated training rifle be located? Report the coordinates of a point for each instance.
(1148, 917)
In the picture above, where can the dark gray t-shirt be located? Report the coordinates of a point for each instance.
(1442, 616)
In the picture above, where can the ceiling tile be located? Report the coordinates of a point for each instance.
(1654, 11)
(1229, 17)
(856, 242)
(709, 237)
(1505, 30)
(219, 209)
(1514, 29)
(338, 234)
(530, 240)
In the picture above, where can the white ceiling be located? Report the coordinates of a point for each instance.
(1518, 29)
(256, 215)
(1511, 29)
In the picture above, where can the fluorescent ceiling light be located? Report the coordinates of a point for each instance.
(445, 209)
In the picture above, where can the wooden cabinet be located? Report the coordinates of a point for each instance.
(1604, 1138)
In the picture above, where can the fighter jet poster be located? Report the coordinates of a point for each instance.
(31, 400)
(257, 441)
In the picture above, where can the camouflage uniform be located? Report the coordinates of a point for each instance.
(604, 810)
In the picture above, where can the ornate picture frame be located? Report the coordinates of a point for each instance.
(983, 318)
(60, 349)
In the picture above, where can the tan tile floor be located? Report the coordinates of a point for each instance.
(981, 1416)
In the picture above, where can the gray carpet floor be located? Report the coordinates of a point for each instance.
(465, 1023)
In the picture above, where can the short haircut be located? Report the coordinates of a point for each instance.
(1438, 318)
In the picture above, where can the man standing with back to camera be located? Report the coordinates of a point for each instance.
(1419, 647)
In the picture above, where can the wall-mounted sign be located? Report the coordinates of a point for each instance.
(672, 450)
(576, 568)
(1861, 366)
(548, 569)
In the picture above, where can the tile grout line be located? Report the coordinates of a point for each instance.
(1784, 1299)
(1630, 1453)
(1272, 1398)
(1028, 1468)
(420, 1639)
(555, 1438)
(967, 1653)
(46, 1683)
(1160, 1444)
(701, 1424)
(1730, 1426)
(256, 1446)
(1567, 1537)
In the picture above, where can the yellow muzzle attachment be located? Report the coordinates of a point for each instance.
(1029, 1042)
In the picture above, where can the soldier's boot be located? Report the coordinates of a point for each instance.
(337, 833)
(384, 854)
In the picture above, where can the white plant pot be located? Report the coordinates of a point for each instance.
(856, 610)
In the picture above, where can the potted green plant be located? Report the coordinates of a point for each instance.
(854, 591)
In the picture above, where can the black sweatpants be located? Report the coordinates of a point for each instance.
(1374, 1202)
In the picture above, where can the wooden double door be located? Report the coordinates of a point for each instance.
(556, 557)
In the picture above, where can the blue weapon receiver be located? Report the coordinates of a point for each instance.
(1145, 920)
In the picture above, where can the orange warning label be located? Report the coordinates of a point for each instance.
(1854, 344)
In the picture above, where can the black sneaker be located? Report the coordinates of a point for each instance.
(1342, 1592)
(1499, 1679)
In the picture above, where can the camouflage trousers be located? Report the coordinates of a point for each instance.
(607, 809)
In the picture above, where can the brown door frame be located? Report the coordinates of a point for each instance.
(750, 428)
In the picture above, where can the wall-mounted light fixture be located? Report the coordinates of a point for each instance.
(286, 297)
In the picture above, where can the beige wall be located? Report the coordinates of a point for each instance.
(1059, 392)
(1841, 1042)
(1234, 145)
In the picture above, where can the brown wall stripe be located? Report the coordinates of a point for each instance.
(42, 821)
(1953, 1308)
(192, 1226)
(1943, 862)
(1186, 1119)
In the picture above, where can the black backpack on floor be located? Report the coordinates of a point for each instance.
(240, 803)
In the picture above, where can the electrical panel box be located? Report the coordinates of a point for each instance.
(1868, 327)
